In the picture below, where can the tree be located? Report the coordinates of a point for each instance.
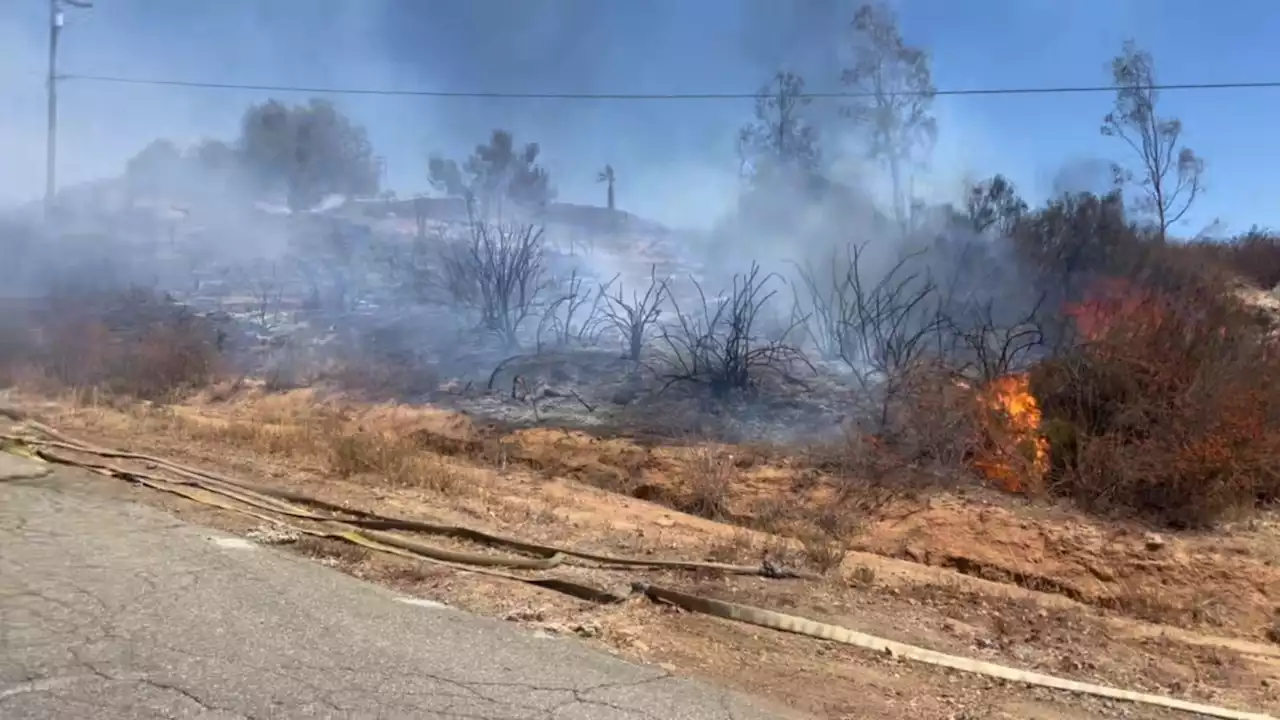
(307, 151)
(994, 203)
(496, 171)
(1168, 174)
(779, 144)
(606, 176)
(896, 94)
(155, 170)
(214, 156)
(445, 176)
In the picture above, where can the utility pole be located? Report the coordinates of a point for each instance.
(51, 128)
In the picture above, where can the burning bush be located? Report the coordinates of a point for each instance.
(1167, 406)
(131, 342)
(1014, 454)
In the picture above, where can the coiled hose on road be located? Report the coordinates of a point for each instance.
(372, 531)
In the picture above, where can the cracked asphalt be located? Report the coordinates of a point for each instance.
(111, 609)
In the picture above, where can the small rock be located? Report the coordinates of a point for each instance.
(271, 535)
(624, 396)
(524, 615)
(1154, 542)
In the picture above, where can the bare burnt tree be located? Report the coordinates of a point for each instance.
(871, 328)
(268, 293)
(721, 349)
(634, 319)
(882, 331)
(989, 325)
(608, 177)
(822, 308)
(983, 346)
(498, 271)
(1168, 174)
(564, 317)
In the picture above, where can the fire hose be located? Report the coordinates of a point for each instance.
(372, 531)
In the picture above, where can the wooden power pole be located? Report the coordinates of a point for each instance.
(51, 127)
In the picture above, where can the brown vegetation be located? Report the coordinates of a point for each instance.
(1168, 407)
(131, 342)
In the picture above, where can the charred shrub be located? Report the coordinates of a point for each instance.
(722, 346)
(499, 271)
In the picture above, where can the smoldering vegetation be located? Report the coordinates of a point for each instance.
(1072, 349)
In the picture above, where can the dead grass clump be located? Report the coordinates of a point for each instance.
(396, 459)
(1169, 408)
(822, 551)
(364, 451)
(278, 440)
(711, 477)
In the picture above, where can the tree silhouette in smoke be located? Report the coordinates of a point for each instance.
(154, 170)
(495, 172)
(780, 156)
(780, 144)
(994, 204)
(306, 151)
(895, 111)
(607, 177)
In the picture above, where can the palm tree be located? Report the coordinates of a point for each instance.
(606, 176)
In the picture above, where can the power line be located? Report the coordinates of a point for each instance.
(1061, 90)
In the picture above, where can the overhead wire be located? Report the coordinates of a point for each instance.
(620, 96)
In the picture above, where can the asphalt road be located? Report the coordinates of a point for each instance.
(110, 609)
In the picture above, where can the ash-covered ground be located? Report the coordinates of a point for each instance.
(519, 320)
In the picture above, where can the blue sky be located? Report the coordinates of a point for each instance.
(675, 161)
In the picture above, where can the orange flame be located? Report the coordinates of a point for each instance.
(1015, 454)
(1112, 302)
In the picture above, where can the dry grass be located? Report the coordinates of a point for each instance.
(712, 477)
(384, 454)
